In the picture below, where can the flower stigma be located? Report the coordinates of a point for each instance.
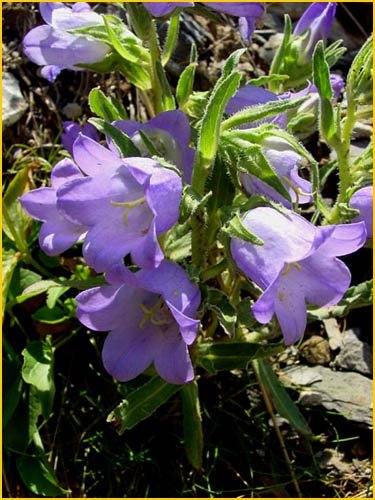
(128, 205)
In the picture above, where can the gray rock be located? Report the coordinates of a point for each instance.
(13, 102)
(347, 393)
(354, 355)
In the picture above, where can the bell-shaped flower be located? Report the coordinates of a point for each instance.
(315, 24)
(72, 131)
(53, 47)
(160, 9)
(57, 233)
(297, 265)
(125, 203)
(251, 95)
(285, 162)
(151, 317)
(170, 134)
(248, 12)
(362, 201)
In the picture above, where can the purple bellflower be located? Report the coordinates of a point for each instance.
(151, 317)
(160, 9)
(71, 132)
(251, 95)
(170, 134)
(316, 23)
(296, 266)
(248, 12)
(53, 47)
(362, 201)
(285, 161)
(57, 233)
(122, 202)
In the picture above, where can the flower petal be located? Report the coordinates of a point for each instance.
(173, 363)
(102, 308)
(129, 351)
(287, 237)
(92, 158)
(342, 239)
(188, 326)
(64, 171)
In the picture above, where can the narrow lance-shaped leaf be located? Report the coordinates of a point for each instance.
(104, 107)
(123, 143)
(193, 434)
(185, 84)
(280, 398)
(167, 96)
(119, 47)
(141, 404)
(9, 264)
(232, 355)
(261, 111)
(232, 62)
(323, 83)
(171, 39)
(210, 128)
(281, 53)
(15, 219)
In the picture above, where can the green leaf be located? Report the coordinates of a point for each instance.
(120, 47)
(12, 389)
(193, 434)
(232, 62)
(37, 370)
(210, 127)
(53, 295)
(279, 57)
(167, 96)
(235, 229)
(39, 477)
(141, 404)
(9, 264)
(22, 279)
(191, 202)
(220, 303)
(103, 106)
(232, 355)
(51, 316)
(261, 111)
(122, 142)
(268, 79)
(185, 84)
(356, 296)
(15, 220)
(359, 80)
(284, 405)
(137, 74)
(171, 39)
(322, 81)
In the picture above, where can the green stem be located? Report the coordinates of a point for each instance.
(214, 271)
(343, 159)
(154, 48)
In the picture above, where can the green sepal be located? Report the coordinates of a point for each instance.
(122, 142)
